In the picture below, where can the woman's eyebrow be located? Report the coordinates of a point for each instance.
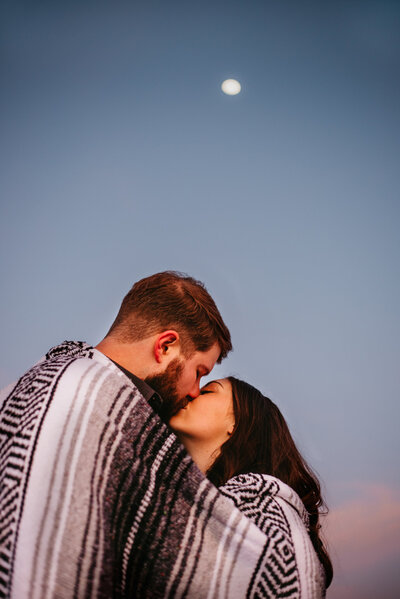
(216, 382)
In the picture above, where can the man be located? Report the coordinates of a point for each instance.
(169, 333)
(97, 496)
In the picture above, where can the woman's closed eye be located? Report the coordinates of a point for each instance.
(204, 391)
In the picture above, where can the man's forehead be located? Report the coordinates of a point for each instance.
(208, 358)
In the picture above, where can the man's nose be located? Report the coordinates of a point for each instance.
(195, 391)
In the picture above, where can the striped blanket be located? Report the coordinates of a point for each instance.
(98, 499)
(279, 512)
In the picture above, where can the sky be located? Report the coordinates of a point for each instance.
(120, 157)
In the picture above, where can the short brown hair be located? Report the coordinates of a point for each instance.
(172, 300)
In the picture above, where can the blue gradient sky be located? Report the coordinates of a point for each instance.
(120, 157)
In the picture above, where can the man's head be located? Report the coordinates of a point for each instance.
(179, 380)
(169, 332)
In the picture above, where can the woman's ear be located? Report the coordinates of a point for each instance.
(166, 345)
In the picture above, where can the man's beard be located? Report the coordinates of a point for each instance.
(165, 384)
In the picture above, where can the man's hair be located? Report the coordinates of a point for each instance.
(172, 300)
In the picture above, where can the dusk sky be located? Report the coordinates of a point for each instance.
(121, 157)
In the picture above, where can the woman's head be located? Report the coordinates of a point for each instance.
(261, 442)
(232, 428)
(243, 431)
(206, 423)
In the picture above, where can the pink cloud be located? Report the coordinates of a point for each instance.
(364, 542)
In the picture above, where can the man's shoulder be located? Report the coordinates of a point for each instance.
(78, 357)
(69, 360)
(68, 350)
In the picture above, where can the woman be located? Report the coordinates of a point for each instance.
(240, 440)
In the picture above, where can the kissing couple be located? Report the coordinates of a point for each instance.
(121, 476)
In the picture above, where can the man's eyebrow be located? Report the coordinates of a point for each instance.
(206, 370)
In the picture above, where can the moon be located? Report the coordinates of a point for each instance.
(231, 87)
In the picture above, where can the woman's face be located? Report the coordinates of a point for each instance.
(209, 418)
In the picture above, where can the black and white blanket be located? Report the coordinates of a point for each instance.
(98, 498)
(291, 566)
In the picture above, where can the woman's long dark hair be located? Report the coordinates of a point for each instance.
(261, 442)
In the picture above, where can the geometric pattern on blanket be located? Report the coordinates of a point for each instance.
(22, 416)
(255, 497)
(98, 498)
(280, 514)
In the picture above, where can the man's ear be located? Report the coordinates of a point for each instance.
(166, 345)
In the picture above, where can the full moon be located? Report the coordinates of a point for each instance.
(231, 87)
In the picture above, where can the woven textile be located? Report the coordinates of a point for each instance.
(291, 566)
(98, 498)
